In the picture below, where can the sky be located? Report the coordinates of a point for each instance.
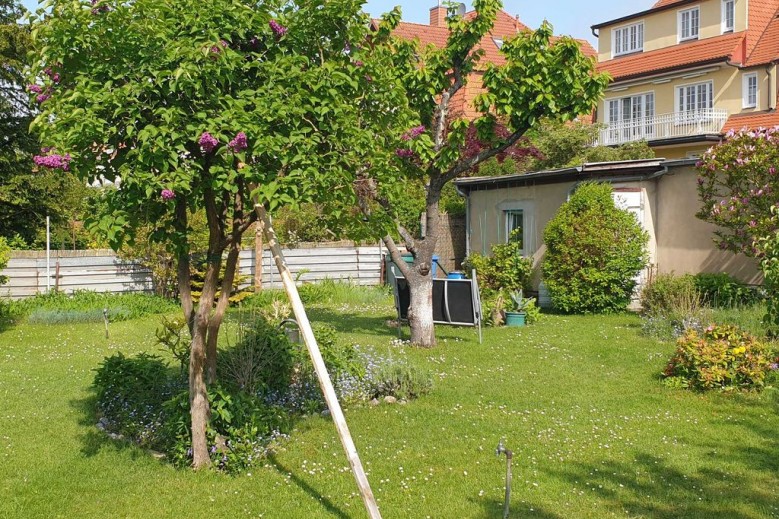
(571, 17)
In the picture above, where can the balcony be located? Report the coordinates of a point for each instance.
(664, 126)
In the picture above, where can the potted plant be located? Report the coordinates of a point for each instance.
(520, 304)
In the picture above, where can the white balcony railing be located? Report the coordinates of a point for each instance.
(665, 126)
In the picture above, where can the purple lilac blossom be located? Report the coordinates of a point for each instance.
(167, 194)
(208, 142)
(53, 161)
(239, 143)
(278, 29)
(35, 89)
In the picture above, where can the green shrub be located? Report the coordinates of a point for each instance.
(724, 291)
(664, 293)
(261, 361)
(504, 269)
(87, 306)
(131, 392)
(721, 357)
(594, 253)
(400, 380)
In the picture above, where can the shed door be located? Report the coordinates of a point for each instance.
(632, 199)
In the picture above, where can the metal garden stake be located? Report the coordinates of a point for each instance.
(105, 320)
(509, 456)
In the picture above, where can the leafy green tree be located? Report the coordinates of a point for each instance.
(26, 196)
(738, 190)
(541, 79)
(594, 253)
(215, 107)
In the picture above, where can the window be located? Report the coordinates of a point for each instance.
(515, 228)
(694, 99)
(689, 24)
(728, 15)
(750, 90)
(631, 118)
(628, 39)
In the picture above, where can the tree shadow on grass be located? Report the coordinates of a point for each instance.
(308, 489)
(93, 440)
(493, 509)
(650, 487)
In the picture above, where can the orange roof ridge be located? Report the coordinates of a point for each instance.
(709, 50)
(766, 47)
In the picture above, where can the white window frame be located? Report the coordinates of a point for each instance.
(694, 30)
(632, 131)
(728, 4)
(748, 101)
(527, 208)
(682, 110)
(632, 46)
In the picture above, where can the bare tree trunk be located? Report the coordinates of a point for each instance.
(182, 266)
(420, 312)
(215, 322)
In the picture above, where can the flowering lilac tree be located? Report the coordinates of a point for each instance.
(737, 187)
(204, 106)
(542, 78)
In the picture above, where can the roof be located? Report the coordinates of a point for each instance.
(662, 5)
(766, 47)
(728, 47)
(505, 27)
(752, 121)
(626, 168)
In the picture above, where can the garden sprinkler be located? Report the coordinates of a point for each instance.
(105, 320)
(509, 456)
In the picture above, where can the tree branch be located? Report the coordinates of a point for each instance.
(397, 259)
(462, 166)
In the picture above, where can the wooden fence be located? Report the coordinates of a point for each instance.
(103, 271)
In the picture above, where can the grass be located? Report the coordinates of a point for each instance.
(595, 434)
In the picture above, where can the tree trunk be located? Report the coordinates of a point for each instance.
(215, 322)
(420, 312)
(198, 396)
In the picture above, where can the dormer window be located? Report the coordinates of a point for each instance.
(498, 42)
(728, 15)
(689, 24)
(628, 39)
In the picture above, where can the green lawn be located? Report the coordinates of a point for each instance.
(578, 399)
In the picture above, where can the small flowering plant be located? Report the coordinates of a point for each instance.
(737, 187)
(721, 357)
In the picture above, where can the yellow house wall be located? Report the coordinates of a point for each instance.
(487, 222)
(679, 242)
(662, 30)
(685, 243)
(728, 91)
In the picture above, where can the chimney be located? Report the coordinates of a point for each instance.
(438, 16)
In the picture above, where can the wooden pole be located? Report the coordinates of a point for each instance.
(258, 230)
(319, 365)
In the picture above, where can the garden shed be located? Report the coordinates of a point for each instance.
(662, 193)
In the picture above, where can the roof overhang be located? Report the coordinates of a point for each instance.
(627, 18)
(591, 171)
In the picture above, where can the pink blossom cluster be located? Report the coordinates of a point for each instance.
(167, 194)
(216, 49)
(413, 133)
(405, 153)
(208, 142)
(35, 89)
(278, 29)
(53, 161)
(102, 8)
(40, 98)
(239, 143)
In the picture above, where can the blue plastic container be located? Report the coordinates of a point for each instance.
(455, 275)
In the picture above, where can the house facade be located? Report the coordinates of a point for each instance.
(661, 193)
(687, 71)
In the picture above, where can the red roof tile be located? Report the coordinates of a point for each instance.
(760, 15)
(766, 48)
(665, 3)
(710, 50)
(752, 121)
(505, 27)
